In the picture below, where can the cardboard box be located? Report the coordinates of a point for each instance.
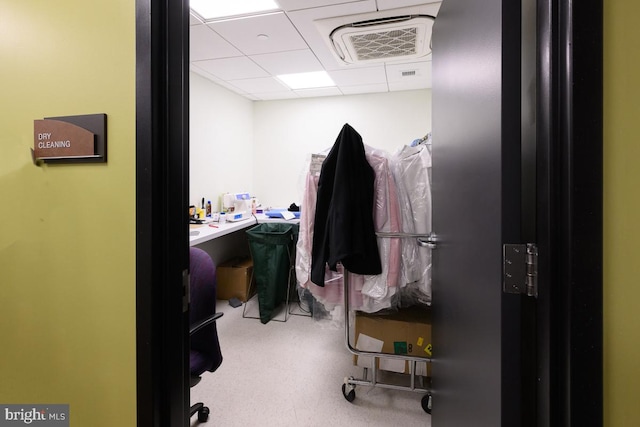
(407, 332)
(234, 278)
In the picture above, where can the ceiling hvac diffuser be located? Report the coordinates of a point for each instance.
(385, 39)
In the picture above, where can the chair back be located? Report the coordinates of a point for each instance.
(205, 354)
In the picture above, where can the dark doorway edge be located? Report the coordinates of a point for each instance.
(162, 183)
(570, 142)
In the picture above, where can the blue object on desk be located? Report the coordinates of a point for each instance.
(278, 214)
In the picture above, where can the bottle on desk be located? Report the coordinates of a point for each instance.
(208, 211)
(223, 218)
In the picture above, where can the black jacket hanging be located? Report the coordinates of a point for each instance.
(343, 228)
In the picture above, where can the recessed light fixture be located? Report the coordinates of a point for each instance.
(212, 9)
(307, 80)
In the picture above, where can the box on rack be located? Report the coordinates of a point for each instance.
(234, 279)
(405, 332)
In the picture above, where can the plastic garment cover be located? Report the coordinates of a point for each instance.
(378, 290)
(331, 295)
(368, 293)
(402, 204)
(411, 169)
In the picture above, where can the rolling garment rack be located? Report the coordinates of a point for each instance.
(416, 384)
(350, 163)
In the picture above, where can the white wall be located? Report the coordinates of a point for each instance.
(286, 132)
(221, 141)
(262, 147)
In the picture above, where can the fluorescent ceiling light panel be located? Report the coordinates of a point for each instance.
(210, 9)
(307, 80)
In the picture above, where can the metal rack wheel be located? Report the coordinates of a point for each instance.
(350, 395)
(203, 414)
(426, 403)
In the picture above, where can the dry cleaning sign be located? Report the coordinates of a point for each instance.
(72, 138)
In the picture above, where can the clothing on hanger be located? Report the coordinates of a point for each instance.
(343, 225)
(401, 204)
(411, 170)
(369, 293)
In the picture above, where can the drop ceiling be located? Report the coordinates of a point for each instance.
(246, 54)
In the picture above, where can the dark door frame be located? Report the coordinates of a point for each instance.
(162, 191)
(570, 186)
(569, 211)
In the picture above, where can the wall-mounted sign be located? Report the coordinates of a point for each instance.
(70, 139)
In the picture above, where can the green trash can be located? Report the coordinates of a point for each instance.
(271, 245)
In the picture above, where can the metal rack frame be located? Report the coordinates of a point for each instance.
(350, 383)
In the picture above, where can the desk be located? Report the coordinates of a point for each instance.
(213, 230)
(228, 240)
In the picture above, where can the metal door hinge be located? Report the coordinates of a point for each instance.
(520, 269)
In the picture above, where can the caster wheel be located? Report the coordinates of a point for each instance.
(426, 403)
(351, 395)
(203, 414)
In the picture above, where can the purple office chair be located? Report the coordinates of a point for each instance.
(205, 354)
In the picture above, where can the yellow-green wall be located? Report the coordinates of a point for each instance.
(621, 213)
(67, 232)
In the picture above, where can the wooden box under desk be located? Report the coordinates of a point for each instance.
(234, 279)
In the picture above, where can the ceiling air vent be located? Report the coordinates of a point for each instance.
(384, 39)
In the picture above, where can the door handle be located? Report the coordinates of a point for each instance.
(427, 242)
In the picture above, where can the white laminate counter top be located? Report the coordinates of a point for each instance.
(206, 232)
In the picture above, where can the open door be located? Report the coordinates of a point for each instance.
(476, 209)
(517, 156)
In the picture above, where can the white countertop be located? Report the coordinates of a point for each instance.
(214, 230)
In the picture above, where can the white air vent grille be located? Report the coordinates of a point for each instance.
(385, 44)
(384, 39)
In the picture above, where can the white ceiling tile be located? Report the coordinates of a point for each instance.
(232, 68)
(229, 86)
(243, 33)
(217, 81)
(409, 83)
(193, 67)
(260, 85)
(324, 91)
(308, 4)
(289, 94)
(374, 88)
(298, 42)
(414, 85)
(206, 44)
(293, 61)
(232, 88)
(359, 76)
(421, 69)
(194, 20)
